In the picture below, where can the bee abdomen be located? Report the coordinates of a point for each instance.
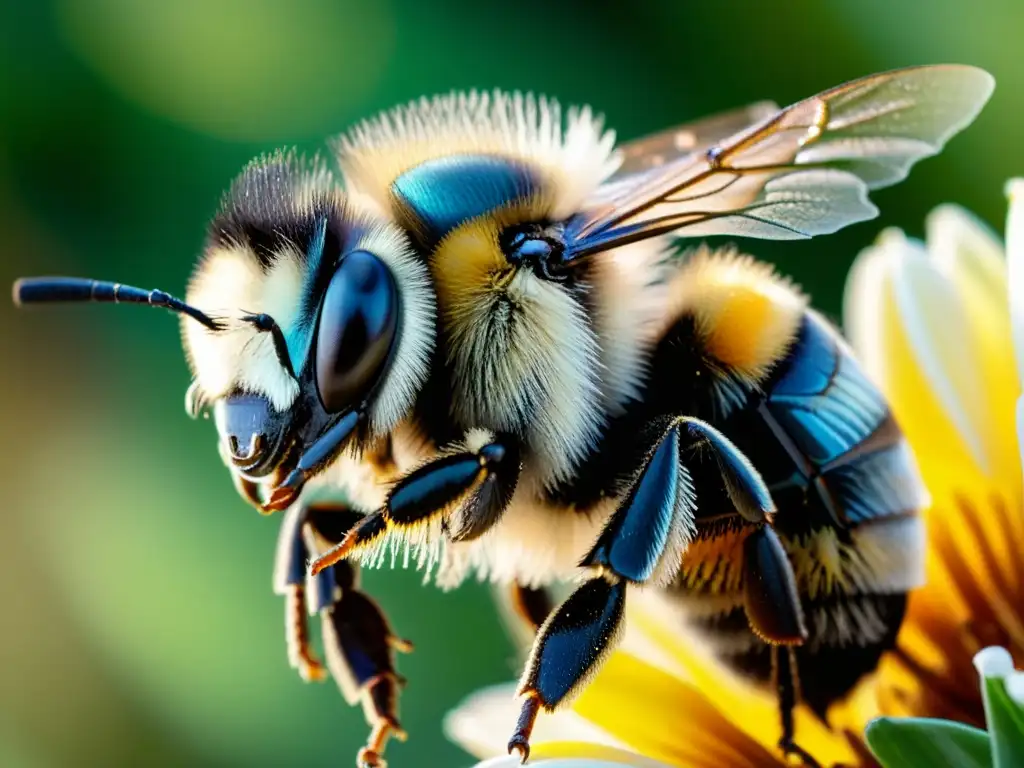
(883, 556)
(848, 635)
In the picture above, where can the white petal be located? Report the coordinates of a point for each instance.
(862, 298)
(993, 662)
(956, 237)
(482, 724)
(1015, 687)
(1015, 266)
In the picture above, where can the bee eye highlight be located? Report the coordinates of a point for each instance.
(358, 322)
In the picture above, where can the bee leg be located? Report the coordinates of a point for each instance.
(642, 543)
(290, 581)
(651, 520)
(775, 614)
(359, 645)
(467, 490)
(770, 596)
(573, 641)
(784, 671)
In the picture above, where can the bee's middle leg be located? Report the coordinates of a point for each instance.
(358, 642)
(642, 543)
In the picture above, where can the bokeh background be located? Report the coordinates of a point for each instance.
(138, 626)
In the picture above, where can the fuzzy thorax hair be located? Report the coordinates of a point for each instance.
(524, 356)
(573, 156)
(747, 316)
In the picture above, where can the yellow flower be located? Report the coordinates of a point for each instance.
(933, 325)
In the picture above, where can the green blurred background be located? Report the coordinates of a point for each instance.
(138, 625)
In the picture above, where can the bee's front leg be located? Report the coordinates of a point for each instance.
(467, 488)
(358, 642)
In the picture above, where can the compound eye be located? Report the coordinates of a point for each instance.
(358, 322)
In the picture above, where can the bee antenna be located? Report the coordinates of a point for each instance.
(42, 290)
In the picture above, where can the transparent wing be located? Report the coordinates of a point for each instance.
(657, 149)
(803, 171)
(654, 151)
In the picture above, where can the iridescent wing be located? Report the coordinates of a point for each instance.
(800, 172)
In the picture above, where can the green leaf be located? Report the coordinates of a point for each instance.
(923, 743)
(1005, 724)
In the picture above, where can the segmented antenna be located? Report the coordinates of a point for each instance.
(42, 290)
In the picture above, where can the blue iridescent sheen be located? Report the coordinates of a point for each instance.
(292, 561)
(300, 336)
(878, 484)
(634, 542)
(445, 192)
(738, 473)
(578, 634)
(823, 400)
(770, 597)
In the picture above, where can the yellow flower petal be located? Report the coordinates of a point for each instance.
(970, 256)
(939, 431)
(1020, 428)
(974, 594)
(483, 723)
(575, 755)
(752, 713)
(667, 719)
(973, 598)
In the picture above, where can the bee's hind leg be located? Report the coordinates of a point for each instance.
(358, 642)
(784, 672)
(642, 543)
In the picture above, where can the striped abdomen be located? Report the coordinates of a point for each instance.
(847, 491)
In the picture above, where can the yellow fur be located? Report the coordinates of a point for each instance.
(715, 563)
(468, 264)
(882, 557)
(746, 315)
(524, 356)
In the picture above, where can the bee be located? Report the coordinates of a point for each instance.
(477, 350)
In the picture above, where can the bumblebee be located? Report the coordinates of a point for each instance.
(476, 350)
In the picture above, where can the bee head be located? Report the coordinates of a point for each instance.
(334, 318)
(316, 328)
